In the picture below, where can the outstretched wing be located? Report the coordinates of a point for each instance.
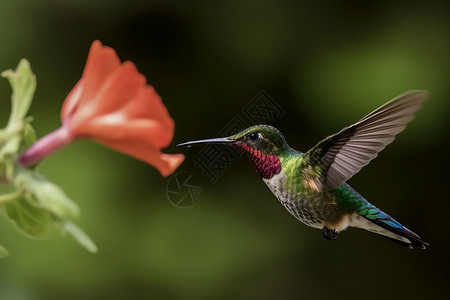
(338, 157)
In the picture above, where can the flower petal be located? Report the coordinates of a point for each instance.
(120, 89)
(113, 105)
(148, 105)
(101, 62)
(111, 127)
(72, 100)
(165, 163)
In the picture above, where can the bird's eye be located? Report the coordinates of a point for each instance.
(253, 136)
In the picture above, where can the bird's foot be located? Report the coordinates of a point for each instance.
(329, 234)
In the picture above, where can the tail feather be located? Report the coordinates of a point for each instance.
(381, 223)
(414, 240)
(410, 245)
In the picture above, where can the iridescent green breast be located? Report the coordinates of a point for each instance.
(312, 207)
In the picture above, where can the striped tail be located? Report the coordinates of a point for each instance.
(375, 220)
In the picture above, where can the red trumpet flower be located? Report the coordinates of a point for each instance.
(113, 105)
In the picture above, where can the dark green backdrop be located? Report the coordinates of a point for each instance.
(325, 64)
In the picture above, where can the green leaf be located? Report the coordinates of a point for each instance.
(30, 220)
(23, 84)
(53, 198)
(29, 137)
(80, 236)
(3, 252)
(9, 150)
(42, 193)
(10, 197)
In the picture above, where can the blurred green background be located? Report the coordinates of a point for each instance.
(327, 64)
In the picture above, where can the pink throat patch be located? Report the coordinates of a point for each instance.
(266, 165)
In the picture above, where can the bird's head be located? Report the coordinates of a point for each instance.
(264, 138)
(263, 144)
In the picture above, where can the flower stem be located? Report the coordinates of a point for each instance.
(45, 146)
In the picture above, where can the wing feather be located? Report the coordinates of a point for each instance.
(338, 157)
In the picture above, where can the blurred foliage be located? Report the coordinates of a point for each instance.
(326, 65)
(27, 198)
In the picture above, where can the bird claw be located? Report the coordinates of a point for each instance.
(329, 234)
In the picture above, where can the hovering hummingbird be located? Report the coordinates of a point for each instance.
(311, 185)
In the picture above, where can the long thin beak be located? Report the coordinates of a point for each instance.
(207, 141)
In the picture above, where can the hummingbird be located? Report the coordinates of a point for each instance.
(312, 185)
